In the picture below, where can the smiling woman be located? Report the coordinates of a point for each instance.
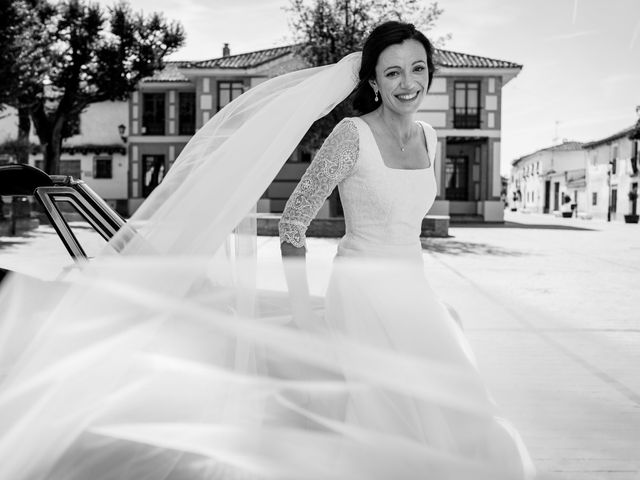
(381, 163)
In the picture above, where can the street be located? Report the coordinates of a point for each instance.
(553, 315)
(551, 308)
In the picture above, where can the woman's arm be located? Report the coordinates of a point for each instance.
(335, 161)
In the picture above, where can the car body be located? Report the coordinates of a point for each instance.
(57, 194)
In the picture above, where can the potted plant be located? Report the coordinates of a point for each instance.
(633, 197)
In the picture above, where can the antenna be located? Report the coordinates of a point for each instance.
(555, 135)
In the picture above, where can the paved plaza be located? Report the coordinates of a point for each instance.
(551, 307)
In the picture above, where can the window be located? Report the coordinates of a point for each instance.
(153, 113)
(466, 105)
(614, 164)
(228, 91)
(187, 113)
(71, 168)
(594, 198)
(102, 167)
(614, 200)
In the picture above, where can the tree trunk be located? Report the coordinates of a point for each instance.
(24, 129)
(52, 152)
(50, 135)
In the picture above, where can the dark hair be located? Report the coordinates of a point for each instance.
(384, 35)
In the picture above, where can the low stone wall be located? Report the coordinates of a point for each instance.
(432, 226)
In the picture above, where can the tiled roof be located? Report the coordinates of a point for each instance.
(447, 58)
(610, 138)
(169, 73)
(245, 60)
(562, 147)
(443, 58)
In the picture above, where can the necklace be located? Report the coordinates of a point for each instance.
(403, 146)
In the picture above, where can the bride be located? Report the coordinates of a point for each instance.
(162, 359)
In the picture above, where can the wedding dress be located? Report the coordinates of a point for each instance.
(387, 303)
(162, 359)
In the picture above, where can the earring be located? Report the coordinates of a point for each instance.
(376, 97)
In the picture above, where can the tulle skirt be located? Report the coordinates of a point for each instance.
(122, 373)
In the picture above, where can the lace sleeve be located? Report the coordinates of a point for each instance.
(334, 162)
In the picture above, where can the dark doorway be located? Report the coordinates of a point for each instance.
(556, 196)
(547, 196)
(153, 172)
(457, 178)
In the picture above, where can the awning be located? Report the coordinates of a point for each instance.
(577, 178)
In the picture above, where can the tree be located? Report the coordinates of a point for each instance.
(84, 56)
(23, 48)
(327, 30)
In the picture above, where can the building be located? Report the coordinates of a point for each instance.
(463, 105)
(97, 154)
(597, 177)
(612, 171)
(541, 180)
(171, 105)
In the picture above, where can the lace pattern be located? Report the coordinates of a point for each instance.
(334, 162)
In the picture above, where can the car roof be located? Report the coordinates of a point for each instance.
(21, 179)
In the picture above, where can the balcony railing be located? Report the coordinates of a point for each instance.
(466, 118)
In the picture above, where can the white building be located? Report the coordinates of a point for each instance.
(539, 181)
(97, 155)
(612, 171)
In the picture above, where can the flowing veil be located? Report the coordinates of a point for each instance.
(162, 359)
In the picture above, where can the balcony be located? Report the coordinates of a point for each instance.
(466, 117)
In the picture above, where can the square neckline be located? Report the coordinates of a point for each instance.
(426, 143)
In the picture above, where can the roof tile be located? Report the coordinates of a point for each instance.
(447, 58)
(443, 58)
(169, 74)
(245, 60)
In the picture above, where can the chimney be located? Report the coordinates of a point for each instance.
(226, 51)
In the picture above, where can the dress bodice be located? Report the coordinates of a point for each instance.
(383, 206)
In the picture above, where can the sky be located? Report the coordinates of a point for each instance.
(581, 58)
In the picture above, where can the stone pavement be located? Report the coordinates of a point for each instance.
(552, 310)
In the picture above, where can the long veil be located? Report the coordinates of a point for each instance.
(163, 360)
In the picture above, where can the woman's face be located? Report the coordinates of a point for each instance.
(402, 76)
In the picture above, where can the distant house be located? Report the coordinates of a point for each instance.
(96, 155)
(596, 176)
(612, 171)
(540, 181)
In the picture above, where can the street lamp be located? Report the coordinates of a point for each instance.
(121, 130)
